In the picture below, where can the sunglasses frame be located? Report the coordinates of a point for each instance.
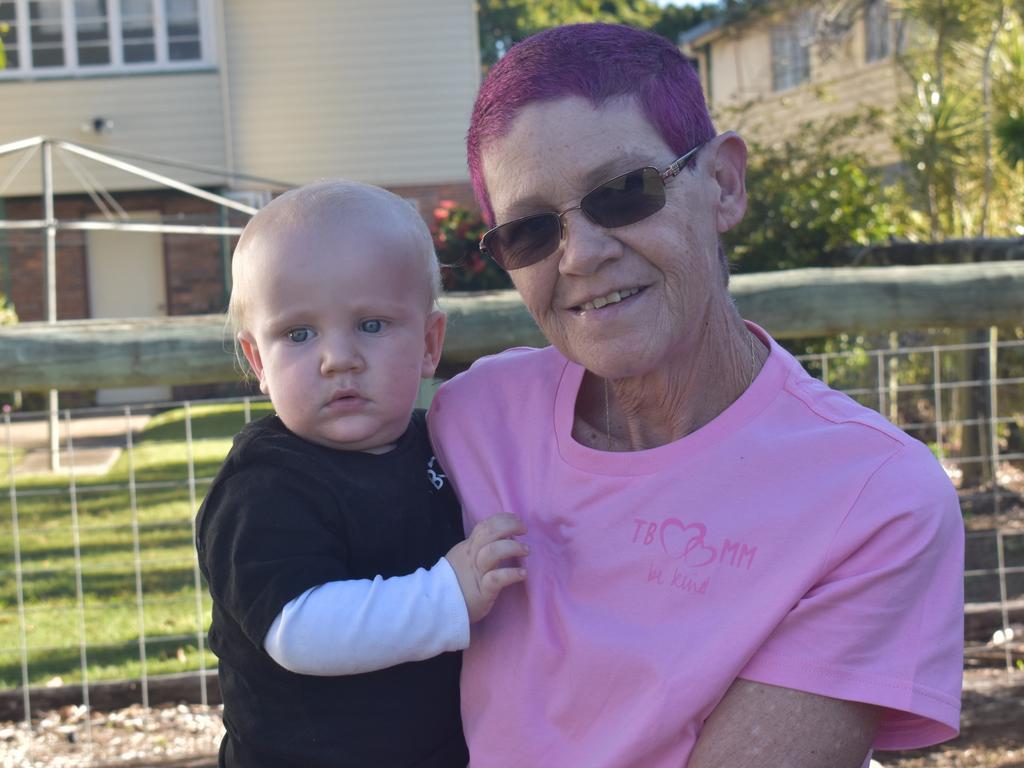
(673, 170)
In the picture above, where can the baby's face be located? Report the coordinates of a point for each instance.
(340, 330)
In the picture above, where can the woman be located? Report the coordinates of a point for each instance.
(730, 563)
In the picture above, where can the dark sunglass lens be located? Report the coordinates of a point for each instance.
(626, 199)
(523, 242)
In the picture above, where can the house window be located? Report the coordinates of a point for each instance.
(791, 51)
(40, 38)
(92, 32)
(876, 30)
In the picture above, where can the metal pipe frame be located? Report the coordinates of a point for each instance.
(15, 146)
(50, 297)
(158, 178)
(121, 226)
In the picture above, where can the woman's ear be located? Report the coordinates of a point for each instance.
(252, 356)
(433, 342)
(730, 172)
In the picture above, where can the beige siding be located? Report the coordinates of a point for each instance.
(175, 116)
(841, 82)
(375, 90)
(741, 67)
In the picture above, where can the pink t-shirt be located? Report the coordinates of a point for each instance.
(798, 540)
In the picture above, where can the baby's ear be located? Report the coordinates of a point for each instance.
(252, 356)
(433, 342)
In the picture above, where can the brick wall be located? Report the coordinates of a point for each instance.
(192, 263)
(428, 196)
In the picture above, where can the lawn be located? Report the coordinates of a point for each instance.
(117, 602)
(5, 460)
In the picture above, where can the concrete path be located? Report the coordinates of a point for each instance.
(97, 442)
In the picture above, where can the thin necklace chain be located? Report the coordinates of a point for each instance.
(607, 406)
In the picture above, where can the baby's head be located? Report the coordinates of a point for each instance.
(333, 302)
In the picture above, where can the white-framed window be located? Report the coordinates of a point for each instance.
(877, 30)
(61, 38)
(791, 51)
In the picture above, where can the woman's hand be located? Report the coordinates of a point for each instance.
(478, 562)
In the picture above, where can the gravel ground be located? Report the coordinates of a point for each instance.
(177, 735)
(187, 736)
(991, 727)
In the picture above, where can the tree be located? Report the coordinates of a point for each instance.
(810, 199)
(963, 63)
(958, 180)
(959, 129)
(676, 19)
(505, 22)
(1008, 91)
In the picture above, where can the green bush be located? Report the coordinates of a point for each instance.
(457, 231)
(7, 314)
(8, 400)
(810, 199)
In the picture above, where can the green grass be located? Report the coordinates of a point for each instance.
(5, 461)
(110, 618)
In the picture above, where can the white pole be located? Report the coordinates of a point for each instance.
(50, 298)
(121, 226)
(17, 146)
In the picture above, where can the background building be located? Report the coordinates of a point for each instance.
(378, 92)
(767, 71)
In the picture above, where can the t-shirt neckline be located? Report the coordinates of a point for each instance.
(767, 384)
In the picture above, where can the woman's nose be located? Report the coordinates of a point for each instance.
(585, 245)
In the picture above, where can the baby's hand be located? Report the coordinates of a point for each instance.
(477, 562)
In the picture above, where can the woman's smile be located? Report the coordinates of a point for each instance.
(614, 297)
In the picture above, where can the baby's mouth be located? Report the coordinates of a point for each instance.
(344, 396)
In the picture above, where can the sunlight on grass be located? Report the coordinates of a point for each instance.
(5, 462)
(111, 535)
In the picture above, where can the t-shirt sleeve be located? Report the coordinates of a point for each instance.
(884, 623)
(267, 542)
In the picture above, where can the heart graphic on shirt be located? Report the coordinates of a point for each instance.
(686, 542)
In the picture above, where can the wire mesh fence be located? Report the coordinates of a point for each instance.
(99, 578)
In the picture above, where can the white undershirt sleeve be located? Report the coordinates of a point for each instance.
(361, 625)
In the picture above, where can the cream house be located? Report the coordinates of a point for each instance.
(768, 72)
(375, 91)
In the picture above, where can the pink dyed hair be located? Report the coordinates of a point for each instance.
(597, 62)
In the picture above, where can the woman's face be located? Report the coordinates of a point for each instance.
(664, 270)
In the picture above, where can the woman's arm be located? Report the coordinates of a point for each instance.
(757, 725)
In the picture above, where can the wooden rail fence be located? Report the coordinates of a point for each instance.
(88, 354)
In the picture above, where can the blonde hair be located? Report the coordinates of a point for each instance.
(313, 204)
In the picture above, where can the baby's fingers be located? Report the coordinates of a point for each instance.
(495, 581)
(499, 526)
(490, 556)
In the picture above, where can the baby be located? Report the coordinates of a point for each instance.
(331, 540)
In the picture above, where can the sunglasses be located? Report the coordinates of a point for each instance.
(626, 199)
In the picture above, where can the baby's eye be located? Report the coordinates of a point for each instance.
(299, 335)
(371, 326)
